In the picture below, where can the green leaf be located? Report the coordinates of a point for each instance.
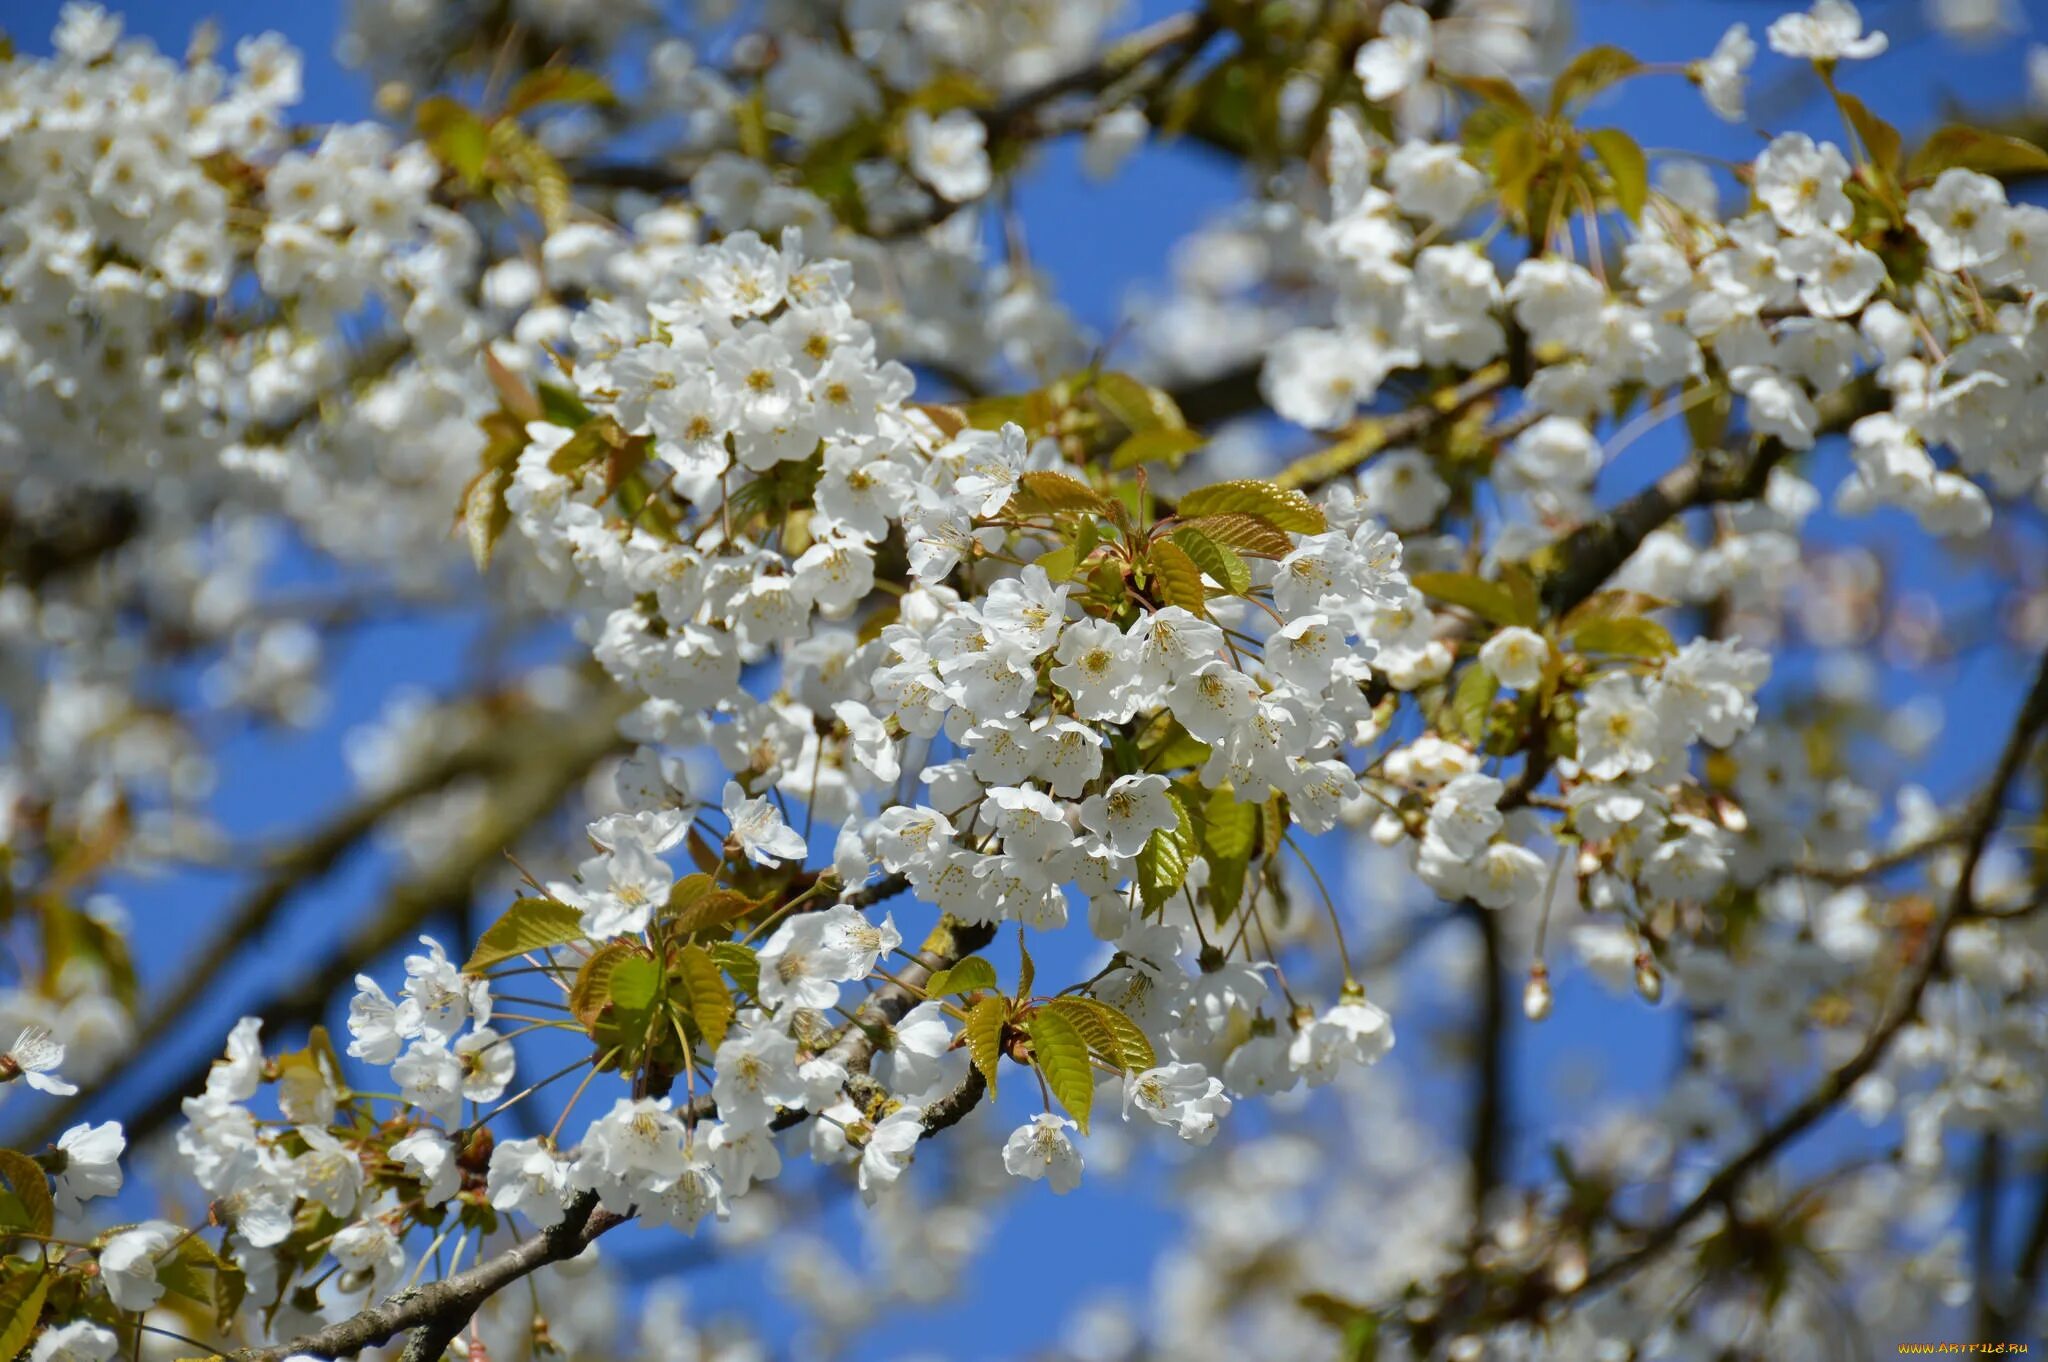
(634, 983)
(1472, 700)
(457, 137)
(1707, 413)
(700, 993)
(1112, 1037)
(1222, 564)
(1179, 580)
(26, 1203)
(1139, 406)
(1591, 72)
(1027, 972)
(21, 1308)
(1630, 636)
(739, 962)
(1628, 170)
(1044, 490)
(1251, 535)
(1161, 444)
(1163, 861)
(536, 168)
(1061, 1053)
(1059, 563)
(562, 406)
(967, 976)
(698, 904)
(1175, 747)
(592, 989)
(1283, 506)
(1521, 586)
(1880, 139)
(1963, 148)
(529, 925)
(558, 85)
(1229, 836)
(1491, 601)
(198, 1274)
(984, 1032)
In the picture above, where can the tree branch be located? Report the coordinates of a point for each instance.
(297, 867)
(1836, 1085)
(439, 1311)
(1584, 559)
(543, 762)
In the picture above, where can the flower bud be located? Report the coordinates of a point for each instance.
(1649, 981)
(1536, 995)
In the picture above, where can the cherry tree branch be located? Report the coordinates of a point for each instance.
(1584, 559)
(440, 1310)
(1721, 1188)
(539, 762)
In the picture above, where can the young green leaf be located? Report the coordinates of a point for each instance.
(1491, 601)
(1628, 170)
(1179, 581)
(1163, 861)
(739, 962)
(592, 989)
(1589, 73)
(21, 1307)
(457, 137)
(1061, 1053)
(699, 991)
(529, 925)
(1045, 490)
(485, 515)
(1633, 636)
(1113, 1037)
(557, 85)
(967, 976)
(1282, 506)
(1963, 148)
(1223, 565)
(1251, 535)
(1137, 405)
(25, 1199)
(1472, 701)
(984, 1032)
(1161, 444)
(1229, 837)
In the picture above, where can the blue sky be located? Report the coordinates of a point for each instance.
(1100, 243)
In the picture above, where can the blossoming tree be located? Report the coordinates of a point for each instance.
(949, 729)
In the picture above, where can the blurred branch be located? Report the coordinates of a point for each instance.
(298, 867)
(2010, 1307)
(72, 531)
(536, 764)
(1721, 1188)
(1487, 1140)
(1985, 1186)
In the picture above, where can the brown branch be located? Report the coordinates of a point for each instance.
(2012, 1306)
(544, 761)
(1579, 564)
(296, 868)
(1721, 1188)
(439, 1311)
(1487, 1140)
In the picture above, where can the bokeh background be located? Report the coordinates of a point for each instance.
(1110, 248)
